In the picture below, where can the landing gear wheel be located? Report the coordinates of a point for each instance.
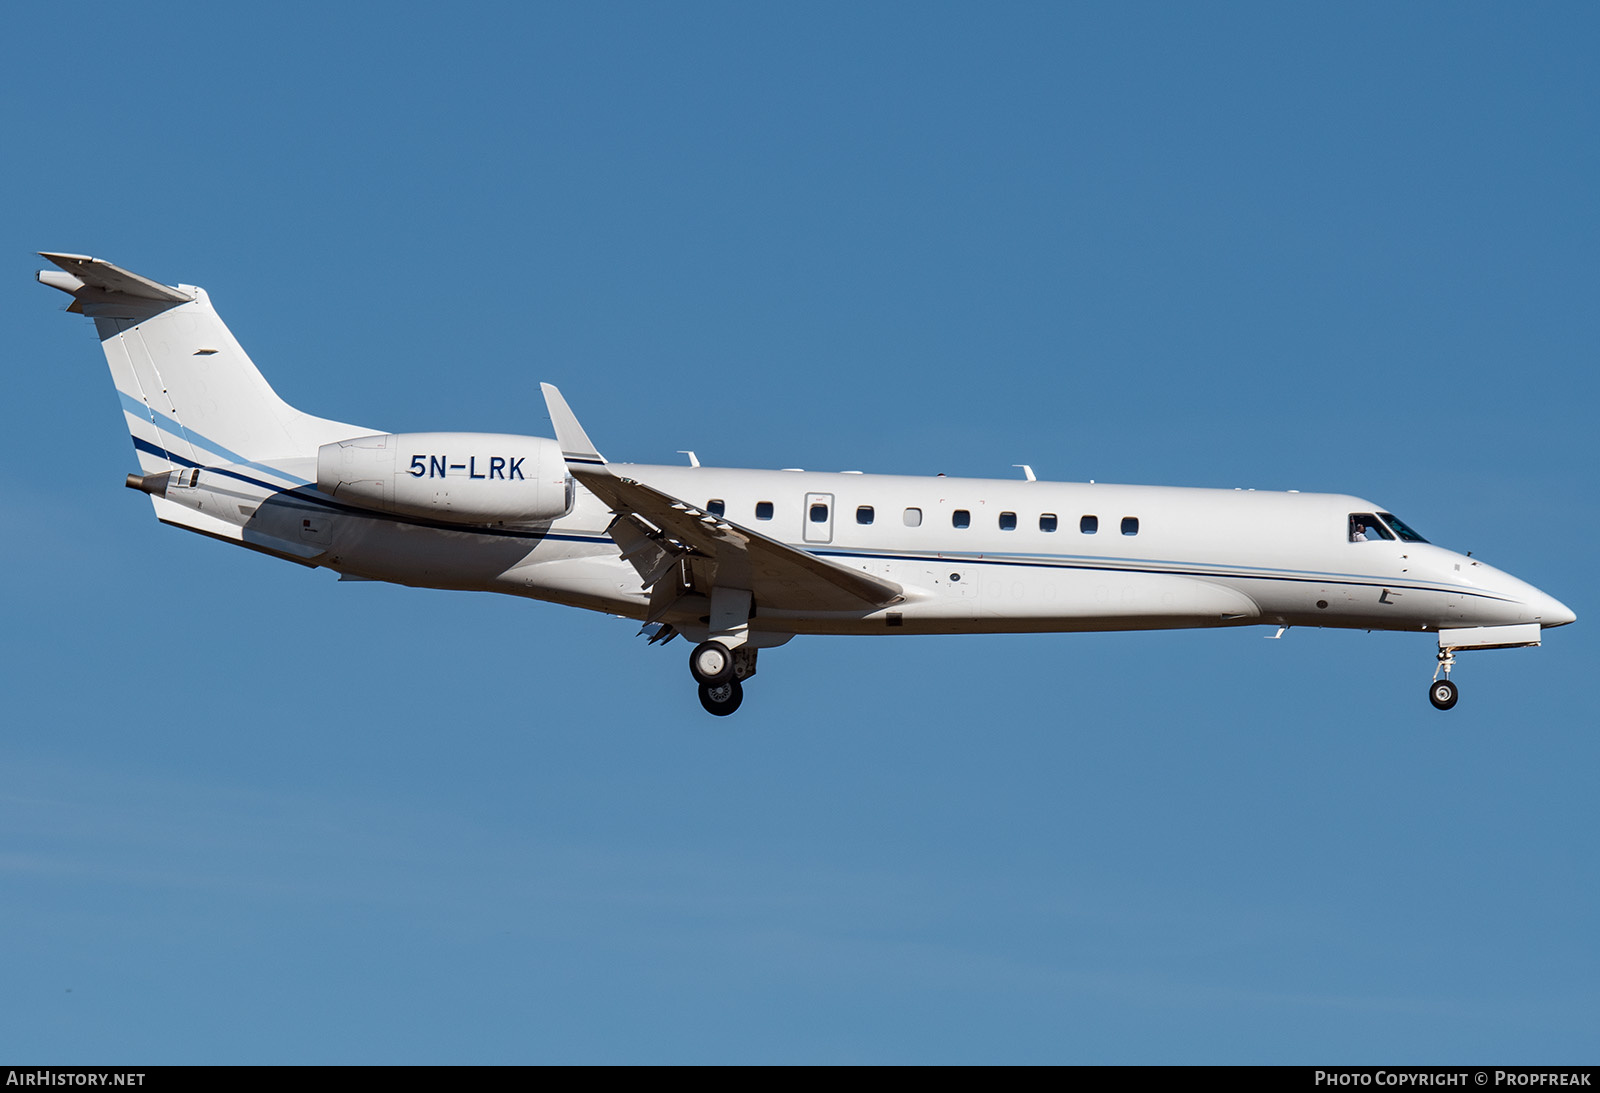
(1443, 694)
(721, 698)
(711, 663)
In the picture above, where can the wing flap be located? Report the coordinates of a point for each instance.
(654, 530)
(780, 576)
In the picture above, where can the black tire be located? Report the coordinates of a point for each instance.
(711, 663)
(721, 698)
(1443, 694)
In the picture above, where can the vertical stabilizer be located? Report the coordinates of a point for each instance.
(190, 394)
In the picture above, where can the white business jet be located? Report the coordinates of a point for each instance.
(742, 560)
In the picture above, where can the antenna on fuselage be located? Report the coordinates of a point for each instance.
(694, 460)
(1026, 470)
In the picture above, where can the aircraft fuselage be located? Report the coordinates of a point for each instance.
(974, 555)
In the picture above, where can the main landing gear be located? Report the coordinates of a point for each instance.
(711, 662)
(1441, 692)
(721, 698)
(720, 671)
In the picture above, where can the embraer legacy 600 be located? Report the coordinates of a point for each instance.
(743, 560)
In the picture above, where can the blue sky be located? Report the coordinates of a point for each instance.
(253, 815)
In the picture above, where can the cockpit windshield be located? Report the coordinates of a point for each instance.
(1400, 528)
(1366, 528)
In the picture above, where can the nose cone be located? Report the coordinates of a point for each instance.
(1519, 601)
(1552, 612)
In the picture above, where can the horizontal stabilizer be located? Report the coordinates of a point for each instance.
(100, 274)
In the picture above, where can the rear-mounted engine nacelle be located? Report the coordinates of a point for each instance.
(462, 478)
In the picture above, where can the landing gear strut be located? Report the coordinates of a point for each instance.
(1441, 692)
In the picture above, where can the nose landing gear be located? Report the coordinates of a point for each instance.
(1441, 692)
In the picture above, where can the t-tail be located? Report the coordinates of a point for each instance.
(190, 394)
(213, 439)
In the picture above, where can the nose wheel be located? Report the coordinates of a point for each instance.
(1441, 692)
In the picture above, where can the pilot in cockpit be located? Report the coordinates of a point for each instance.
(1366, 528)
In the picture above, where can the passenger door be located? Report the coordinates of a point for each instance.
(817, 519)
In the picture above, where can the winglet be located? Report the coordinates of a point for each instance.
(576, 447)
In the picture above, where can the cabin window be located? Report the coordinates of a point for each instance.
(763, 510)
(864, 514)
(913, 518)
(716, 508)
(1047, 521)
(1367, 528)
(819, 513)
(1400, 528)
(1089, 524)
(961, 518)
(1008, 521)
(1130, 525)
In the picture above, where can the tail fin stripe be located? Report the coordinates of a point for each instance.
(139, 410)
(229, 472)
